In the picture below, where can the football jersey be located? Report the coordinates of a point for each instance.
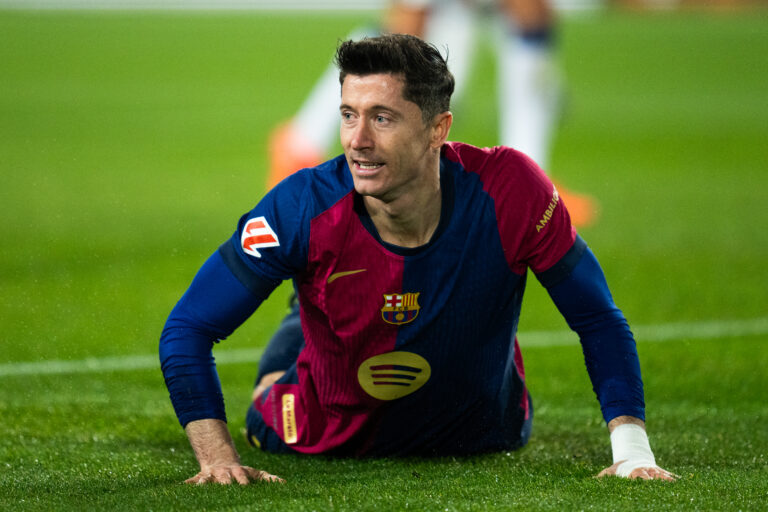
(407, 350)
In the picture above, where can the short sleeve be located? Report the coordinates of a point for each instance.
(549, 232)
(533, 223)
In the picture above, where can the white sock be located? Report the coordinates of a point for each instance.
(529, 86)
(451, 24)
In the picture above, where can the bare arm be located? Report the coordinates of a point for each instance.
(218, 458)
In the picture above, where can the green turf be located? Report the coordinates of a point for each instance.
(130, 144)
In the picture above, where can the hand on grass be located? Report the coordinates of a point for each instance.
(229, 474)
(218, 458)
(644, 473)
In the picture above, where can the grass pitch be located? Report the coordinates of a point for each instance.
(130, 144)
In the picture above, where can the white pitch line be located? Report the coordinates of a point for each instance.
(116, 363)
(648, 333)
(661, 332)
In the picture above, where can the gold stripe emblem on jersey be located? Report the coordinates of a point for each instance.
(393, 375)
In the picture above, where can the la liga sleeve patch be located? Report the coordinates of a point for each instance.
(257, 234)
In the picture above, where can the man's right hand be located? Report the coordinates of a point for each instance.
(242, 475)
(218, 458)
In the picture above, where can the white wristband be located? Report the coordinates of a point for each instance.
(630, 444)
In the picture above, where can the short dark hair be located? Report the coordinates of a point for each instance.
(428, 82)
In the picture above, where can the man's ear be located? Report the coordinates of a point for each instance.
(440, 128)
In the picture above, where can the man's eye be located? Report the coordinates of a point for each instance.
(381, 119)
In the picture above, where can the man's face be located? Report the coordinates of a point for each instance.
(385, 140)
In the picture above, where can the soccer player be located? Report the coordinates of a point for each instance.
(529, 85)
(409, 256)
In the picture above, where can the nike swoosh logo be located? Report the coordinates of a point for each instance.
(345, 273)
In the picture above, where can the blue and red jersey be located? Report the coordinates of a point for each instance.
(407, 350)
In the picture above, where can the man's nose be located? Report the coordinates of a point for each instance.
(361, 137)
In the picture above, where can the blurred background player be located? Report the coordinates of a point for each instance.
(529, 83)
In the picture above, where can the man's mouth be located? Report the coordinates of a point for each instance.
(368, 166)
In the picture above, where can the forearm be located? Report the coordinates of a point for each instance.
(212, 443)
(609, 348)
(215, 304)
(190, 375)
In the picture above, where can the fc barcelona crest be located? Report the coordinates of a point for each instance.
(400, 308)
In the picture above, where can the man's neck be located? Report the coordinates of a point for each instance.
(412, 218)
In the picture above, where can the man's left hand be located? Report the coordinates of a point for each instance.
(643, 472)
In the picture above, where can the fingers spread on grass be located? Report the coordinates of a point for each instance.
(199, 479)
(222, 476)
(653, 473)
(219, 475)
(239, 475)
(609, 471)
(643, 473)
(662, 474)
(256, 475)
(243, 475)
